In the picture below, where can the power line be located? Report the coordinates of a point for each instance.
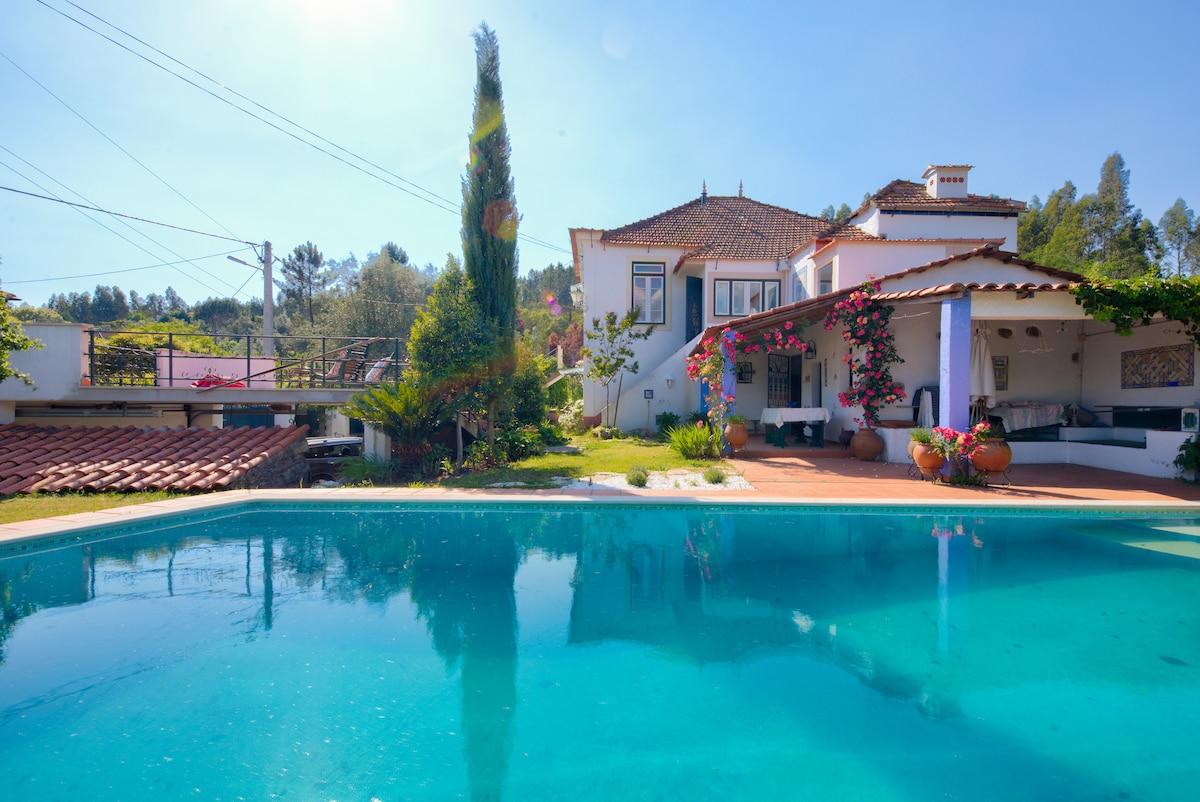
(255, 103)
(117, 272)
(106, 228)
(111, 141)
(127, 216)
(248, 112)
(435, 200)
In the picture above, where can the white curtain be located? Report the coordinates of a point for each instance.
(983, 380)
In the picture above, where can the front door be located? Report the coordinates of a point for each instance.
(694, 292)
(797, 371)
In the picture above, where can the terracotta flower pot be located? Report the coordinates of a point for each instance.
(993, 456)
(736, 434)
(928, 460)
(866, 444)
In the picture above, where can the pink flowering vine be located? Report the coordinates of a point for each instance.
(864, 323)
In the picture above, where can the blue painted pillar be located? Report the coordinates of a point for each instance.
(729, 380)
(955, 382)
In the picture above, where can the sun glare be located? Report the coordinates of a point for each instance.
(324, 15)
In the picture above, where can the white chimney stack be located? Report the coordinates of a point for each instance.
(946, 180)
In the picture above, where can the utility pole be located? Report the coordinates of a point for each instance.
(268, 303)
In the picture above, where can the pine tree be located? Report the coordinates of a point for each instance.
(304, 277)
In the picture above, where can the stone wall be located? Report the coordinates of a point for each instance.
(285, 469)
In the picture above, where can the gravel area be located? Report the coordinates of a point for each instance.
(677, 479)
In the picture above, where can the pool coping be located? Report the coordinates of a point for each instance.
(231, 499)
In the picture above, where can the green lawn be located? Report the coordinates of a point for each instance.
(48, 505)
(595, 456)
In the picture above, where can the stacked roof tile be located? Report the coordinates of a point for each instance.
(719, 227)
(902, 194)
(52, 459)
(814, 309)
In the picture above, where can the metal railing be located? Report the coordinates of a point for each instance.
(169, 359)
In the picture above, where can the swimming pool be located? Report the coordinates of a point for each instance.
(624, 651)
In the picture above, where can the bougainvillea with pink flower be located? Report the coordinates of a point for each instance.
(864, 322)
(952, 444)
(708, 363)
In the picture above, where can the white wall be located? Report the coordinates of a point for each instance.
(1102, 356)
(909, 226)
(858, 261)
(606, 273)
(56, 368)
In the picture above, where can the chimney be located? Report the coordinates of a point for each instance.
(703, 194)
(946, 180)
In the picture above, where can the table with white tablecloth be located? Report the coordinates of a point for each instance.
(815, 417)
(1027, 415)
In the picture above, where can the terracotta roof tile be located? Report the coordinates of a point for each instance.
(907, 194)
(720, 227)
(814, 309)
(52, 459)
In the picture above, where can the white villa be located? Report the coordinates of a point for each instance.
(1068, 389)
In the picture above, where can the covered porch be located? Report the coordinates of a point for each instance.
(1062, 388)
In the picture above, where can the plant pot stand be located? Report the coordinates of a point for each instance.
(989, 477)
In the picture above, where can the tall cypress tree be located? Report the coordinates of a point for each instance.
(489, 210)
(489, 231)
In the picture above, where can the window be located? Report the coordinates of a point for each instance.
(744, 297)
(825, 279)
(649, 280)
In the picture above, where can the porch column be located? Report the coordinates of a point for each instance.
(729, 378)
(955, 400)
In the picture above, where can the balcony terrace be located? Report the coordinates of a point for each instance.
(120, 376)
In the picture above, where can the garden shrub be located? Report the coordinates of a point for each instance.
(519, 442)
(665, 421)
(570, 418)
(637, 477)
(370, 470)
(692, 442)
(551, 434)
(714, 476)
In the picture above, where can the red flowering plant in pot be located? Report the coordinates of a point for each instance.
(864, 322)
(960, 447)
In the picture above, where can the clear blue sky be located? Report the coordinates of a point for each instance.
(615, 110)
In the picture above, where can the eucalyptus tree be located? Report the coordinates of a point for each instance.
(1179, 234)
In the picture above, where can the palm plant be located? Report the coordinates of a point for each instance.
(408, 411)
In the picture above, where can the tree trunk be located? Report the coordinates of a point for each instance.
(491, 418)
(617, 409)
(458, 437)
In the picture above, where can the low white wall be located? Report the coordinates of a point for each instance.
(1156, 459)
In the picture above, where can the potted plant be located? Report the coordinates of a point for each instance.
(925, 451)
(864, 323)
(1188, 459)
(960, 448)
(992, 454)
(736, 433)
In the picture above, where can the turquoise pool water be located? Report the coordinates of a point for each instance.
(613, 652)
